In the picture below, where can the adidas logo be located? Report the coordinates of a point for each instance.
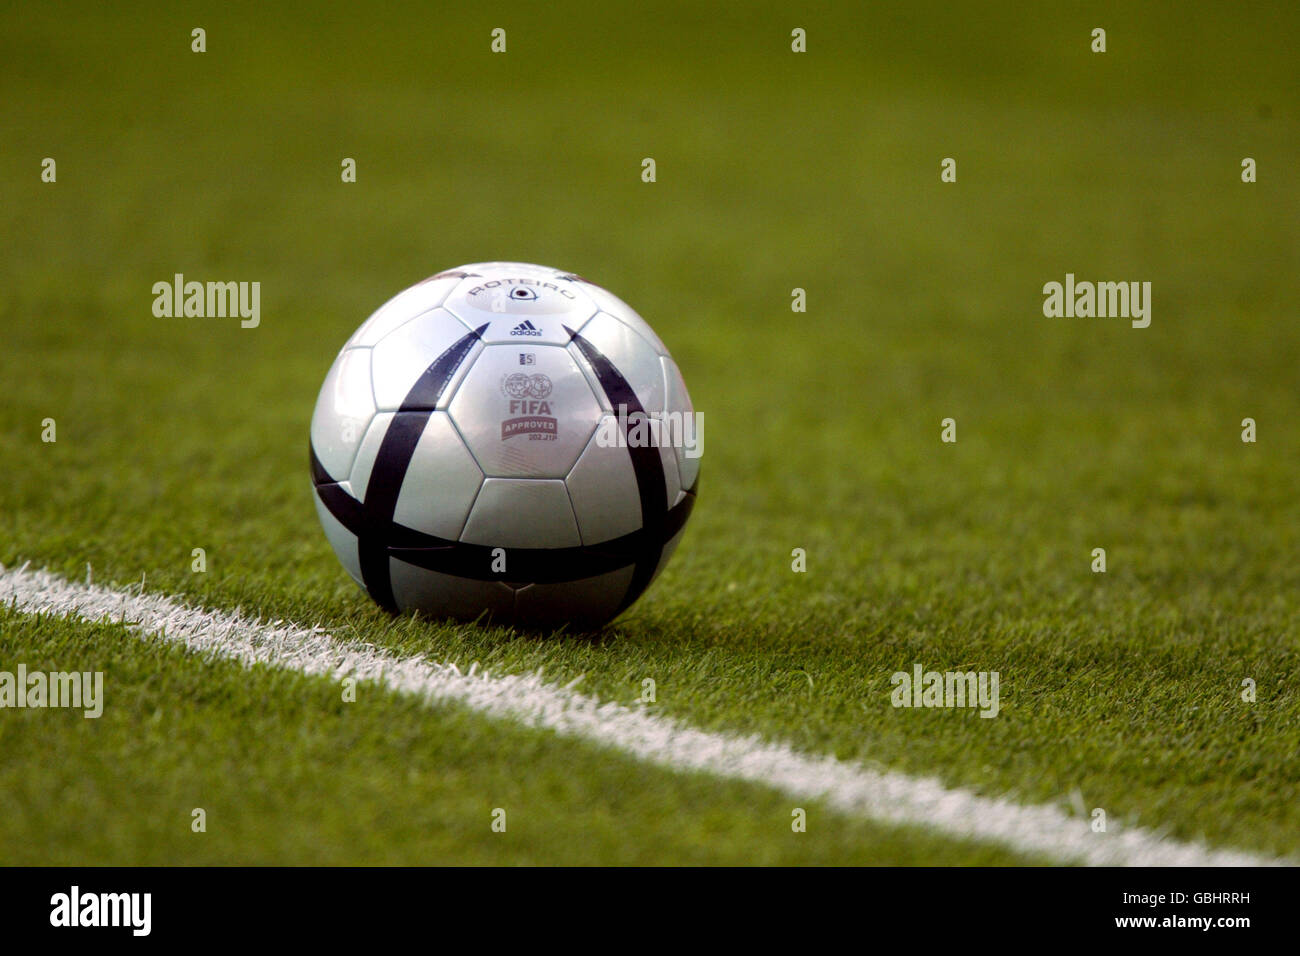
(525, 327)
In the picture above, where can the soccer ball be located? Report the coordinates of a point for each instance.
(482, 449)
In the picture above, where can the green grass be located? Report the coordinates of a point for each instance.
(822, 429)
(287, 772)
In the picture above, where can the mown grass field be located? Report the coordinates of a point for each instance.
(775, 171)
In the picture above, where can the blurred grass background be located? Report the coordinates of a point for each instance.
(775, 171)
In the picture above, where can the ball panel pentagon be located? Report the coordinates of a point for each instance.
(672, 475)
(522, 306)
(419, 298)
(343, 410)
(612, 304)
(587, 603)
(679, 401)
(359, 477)
(444, 595)
(406, 352)
(441, 482)
(343, 541)
(633, 357)
(525, 420)
(522, 513)
(603, 489)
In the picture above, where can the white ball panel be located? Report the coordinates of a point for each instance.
(527, 331)
(672, 476)
(446, 596)
(521, 305)
(522, 513)
(603, 489)
(365, 460)
(538, 434)
(597, 390)
(421, 297)
(679, 400)
(609, 302)
(586, 603)
(343, 410)
(407, 352)
(498, 266)
(343, 541)
(634, 357)
(441, 482)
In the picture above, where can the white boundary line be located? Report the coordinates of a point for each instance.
(887, 796)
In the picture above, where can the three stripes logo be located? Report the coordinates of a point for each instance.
(526, 327)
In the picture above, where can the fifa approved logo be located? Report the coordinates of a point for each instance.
(528, 405)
